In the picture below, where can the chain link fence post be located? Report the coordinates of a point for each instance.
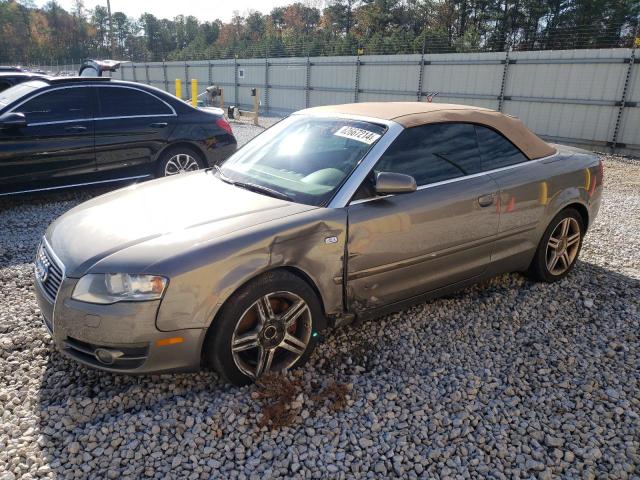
(623, 100)
(421, 72)
(235, 81)
(164, 74)
(307, 90)
(356, 93)
(266, 79)
(505, 73)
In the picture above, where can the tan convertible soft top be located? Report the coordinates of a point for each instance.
(411, 114)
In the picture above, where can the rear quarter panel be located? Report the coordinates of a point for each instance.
(574, 177)
(199, 130)
(533, 194)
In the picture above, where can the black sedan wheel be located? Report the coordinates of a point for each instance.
(179, 160)
(269, 325)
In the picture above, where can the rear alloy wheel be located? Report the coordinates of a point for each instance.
(563, 246)
(268, 325)
(559, 248)
(177, 161)
(181, 163)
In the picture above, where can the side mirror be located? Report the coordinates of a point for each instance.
(13, 120)
(389, 183)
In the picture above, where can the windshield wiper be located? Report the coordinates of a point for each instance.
(254, 187)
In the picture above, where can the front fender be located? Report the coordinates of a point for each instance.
(194, 297)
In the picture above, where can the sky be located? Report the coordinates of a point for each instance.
(202, 9)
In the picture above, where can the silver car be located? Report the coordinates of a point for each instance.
(334, 213)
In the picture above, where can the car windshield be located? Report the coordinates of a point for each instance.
(303, 159)
(12, 94)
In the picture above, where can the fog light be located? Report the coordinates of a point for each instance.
(105, 356)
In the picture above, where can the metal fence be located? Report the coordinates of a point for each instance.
(584, 97)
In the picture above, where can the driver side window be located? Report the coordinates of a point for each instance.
(433, 153)
(429, 153)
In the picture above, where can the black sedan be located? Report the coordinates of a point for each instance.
(59, 132)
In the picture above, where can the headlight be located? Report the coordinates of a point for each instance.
(118, 287)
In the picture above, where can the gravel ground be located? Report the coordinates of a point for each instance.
(505, 379)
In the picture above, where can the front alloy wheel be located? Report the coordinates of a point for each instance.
(267, 325)
(272, 334)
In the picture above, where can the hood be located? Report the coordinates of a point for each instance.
(161, 208)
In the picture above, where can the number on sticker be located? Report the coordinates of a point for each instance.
(359, 134)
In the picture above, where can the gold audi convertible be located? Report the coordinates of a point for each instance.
(334, 213)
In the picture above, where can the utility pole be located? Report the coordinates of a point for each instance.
(113, 40)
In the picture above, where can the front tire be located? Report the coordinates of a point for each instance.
(179, 160)
(559, 248)
(268, 325)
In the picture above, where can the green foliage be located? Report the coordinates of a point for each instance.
(50, 34)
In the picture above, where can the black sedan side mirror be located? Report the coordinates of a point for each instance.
(13, 120)
(388, 183)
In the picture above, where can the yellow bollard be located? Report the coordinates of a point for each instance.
(194, 92)
(178, 88)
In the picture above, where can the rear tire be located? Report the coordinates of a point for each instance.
(268, 325)
(179, 160)
(559, 247)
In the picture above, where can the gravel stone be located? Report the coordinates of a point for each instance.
(554, 441)
(380, 468)
(506, 379)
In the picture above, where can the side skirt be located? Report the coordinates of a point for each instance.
(517, 263)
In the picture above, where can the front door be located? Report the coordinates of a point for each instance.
(400, 246)
(55, 148)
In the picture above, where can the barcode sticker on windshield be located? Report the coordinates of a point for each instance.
(364, 136)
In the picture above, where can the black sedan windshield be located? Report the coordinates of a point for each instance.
(304, 159)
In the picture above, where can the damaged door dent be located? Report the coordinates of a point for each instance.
(305, 248)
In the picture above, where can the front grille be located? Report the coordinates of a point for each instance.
(49, 272)
(132, 356)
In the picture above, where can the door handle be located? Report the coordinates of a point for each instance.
(486, 200)
(76, 129)
(158, 125)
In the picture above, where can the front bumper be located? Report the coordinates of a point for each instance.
(81, 330)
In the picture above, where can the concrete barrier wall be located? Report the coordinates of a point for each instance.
(589, 98)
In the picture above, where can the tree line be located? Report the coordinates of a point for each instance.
(50, 34)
